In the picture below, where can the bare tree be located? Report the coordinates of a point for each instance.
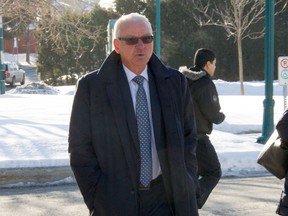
(21, 16)
(237, 17)
(47, 16)
(68, 30)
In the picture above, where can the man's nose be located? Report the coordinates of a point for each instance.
(140, 42)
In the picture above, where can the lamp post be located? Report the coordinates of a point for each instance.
(268, 114)
(158, 27)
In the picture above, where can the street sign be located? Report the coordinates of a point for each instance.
(283, 76)
(283, 70)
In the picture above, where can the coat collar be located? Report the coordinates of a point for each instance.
(113, 62)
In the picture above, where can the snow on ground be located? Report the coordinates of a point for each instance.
(21, 59)
(34, 125)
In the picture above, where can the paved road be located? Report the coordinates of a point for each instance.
(31, 75)
(244, 197)
(232, 197)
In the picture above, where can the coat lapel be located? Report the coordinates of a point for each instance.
(122, 105)
(129, 109)
(120, 97)
(162, 85)
(155, 109)
(121, 102)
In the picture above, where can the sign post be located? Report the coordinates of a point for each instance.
(283, 76)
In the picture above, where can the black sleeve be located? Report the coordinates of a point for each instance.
(282, 127)
(209, 103)
(83, 159)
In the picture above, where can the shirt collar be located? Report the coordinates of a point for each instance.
(130, 75)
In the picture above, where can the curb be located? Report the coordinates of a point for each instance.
(33, 175)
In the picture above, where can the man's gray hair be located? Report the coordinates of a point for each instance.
(129, 17)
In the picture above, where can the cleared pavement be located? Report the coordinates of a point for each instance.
(257, 196)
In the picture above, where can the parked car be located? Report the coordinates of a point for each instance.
(13, 74)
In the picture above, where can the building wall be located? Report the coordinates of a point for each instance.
(11, 47)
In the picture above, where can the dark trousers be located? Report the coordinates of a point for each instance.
(286, 184)
(153, 202)
(283, 205)
(209, 168)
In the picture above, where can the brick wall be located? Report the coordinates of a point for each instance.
(9, 44)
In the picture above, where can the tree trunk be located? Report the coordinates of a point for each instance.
(28, 45)
(240, 63)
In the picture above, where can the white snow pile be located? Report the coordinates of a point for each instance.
(35, 88)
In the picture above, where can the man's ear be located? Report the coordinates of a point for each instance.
(206, 65)
(116, 45)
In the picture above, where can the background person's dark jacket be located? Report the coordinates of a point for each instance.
(205, 100)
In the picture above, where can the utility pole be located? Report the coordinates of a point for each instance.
(268, 114)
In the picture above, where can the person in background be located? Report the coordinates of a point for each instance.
(132, 134)
(207, 111)
(282, 129)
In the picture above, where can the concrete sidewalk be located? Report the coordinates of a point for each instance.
(232, 197)
(34, 176)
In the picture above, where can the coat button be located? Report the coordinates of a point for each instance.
(132, 192)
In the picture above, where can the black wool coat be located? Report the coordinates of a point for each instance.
(103, 146)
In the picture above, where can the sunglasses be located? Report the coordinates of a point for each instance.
(134, 40)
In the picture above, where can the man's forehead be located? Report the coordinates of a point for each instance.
(135, 27)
